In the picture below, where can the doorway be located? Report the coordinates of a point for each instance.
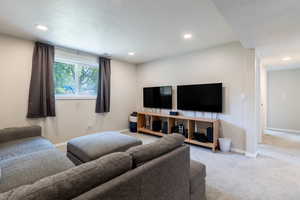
(279, 113)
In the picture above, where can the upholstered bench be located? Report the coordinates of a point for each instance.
(197, 179)
(91, 147)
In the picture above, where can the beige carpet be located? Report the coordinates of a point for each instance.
(235, 177)
(280, 145)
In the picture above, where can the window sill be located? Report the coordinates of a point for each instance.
(75, 97)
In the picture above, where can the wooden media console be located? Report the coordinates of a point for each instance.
(191, 123)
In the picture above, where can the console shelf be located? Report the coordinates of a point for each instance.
(214, 123)
(145, 130)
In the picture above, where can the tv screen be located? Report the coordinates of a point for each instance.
(205, 97)
(158, 97)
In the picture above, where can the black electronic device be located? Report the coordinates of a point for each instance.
(174, 113)
(204, 97)
(158, 97)
(200, 137)
(210, 134)
(180, 130)
(156, 125)
(164, 127)
(175, 129)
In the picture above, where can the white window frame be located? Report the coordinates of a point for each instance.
(75, 96)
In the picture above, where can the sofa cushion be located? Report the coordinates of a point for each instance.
(23, 146)
(75, 181)
(29, 168)
(197, 174)
(91, 147)
(16, 133)
(144, 153)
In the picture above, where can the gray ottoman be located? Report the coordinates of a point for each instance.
(90, 147)
(197, 180)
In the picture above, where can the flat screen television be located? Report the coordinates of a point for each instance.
(204, 97)
(158, 97)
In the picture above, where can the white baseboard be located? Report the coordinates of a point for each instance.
(251, 155)
(61, 144)
(283, 130)
(238, 151)
(124, 130)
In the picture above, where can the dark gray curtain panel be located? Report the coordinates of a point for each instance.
(103, 98)
(41, 93)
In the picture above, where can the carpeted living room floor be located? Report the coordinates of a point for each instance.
(232, 176)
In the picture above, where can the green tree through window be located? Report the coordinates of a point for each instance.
(88, 79)
(75, 79)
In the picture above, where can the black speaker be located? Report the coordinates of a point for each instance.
(156, 125)
(165, 127)
(210, 134)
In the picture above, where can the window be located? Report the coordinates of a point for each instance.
(75, 81)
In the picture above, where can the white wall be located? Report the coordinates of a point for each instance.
(231, 64)
(74, 117)
(283, 99)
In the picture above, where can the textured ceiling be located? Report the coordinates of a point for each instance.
(152, 29)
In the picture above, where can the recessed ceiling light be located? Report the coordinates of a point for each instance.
(187, 36)
(131, 53)
(41, 27)
(286, 58)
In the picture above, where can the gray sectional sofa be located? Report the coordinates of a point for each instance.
(26, 157)
(32, 168)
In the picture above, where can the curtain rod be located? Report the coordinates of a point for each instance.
(78, 52)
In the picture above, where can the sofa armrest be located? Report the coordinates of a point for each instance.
(10, 134)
